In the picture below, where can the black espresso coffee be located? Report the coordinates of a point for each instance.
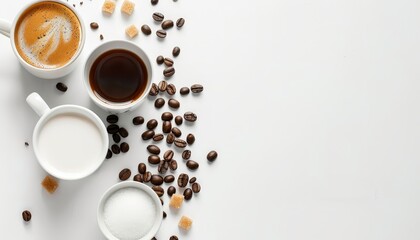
(118, 76)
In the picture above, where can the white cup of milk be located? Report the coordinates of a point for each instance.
(70, 142)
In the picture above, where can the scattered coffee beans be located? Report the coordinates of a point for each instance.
(123, 132)
(170, 138)
(173, 237)
(161, 33)
(146, 29)
(125, 174)
(158, 137)
(176, 132)
(183, 179)
(166, 126)
(171, 89)
(148, 135)
(167, 116)
(169, 178)
(184, 91)
(142, 168)
(167, 24)
(196, 187)
(116, 137)
(138, 177)
(124, 147)
(147, 176)
(178, 120)
(164, 214)
(154, 2)
(174, 103)
(159, 102)
(192, 165)
(180, 143)
(112, 118)
(190, 139)
(173, 165)
(154, 90)
(153, 159)
(113, 128)
(169, 72)
(138, 120)
(158, 17)
(192, 180)
(153, 149)
(163, 167)
(108, 154)
(61, 87)
(171, 190)
(159, 60)
(186, 154)
(190, 116)
(158, 190)
(101, 37)
(197, 88)
(188, 194)
(156, 180)
(168, 62)
(94, 25)
(168, 155)
(162, 85)
(115, 149)
(152, 124)
(176, 51)
(180, 22)
(26, 215)
(211, 156)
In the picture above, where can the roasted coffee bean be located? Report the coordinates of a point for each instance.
(26, 215)
(211, 156)
(171, 89)
(61, 87)
(180, 143)
(162, 85)
(156, 180)
(124, 147)
(101, 37)
(154, 90)
(142, 168)
(186, 154)
(159, 60)
(158, 137)
(190, 138)
(158, 190)
(158, 17)
(168, 62)
(192, 180)
(113, 128)
(112, 118)
(164, 214)
(138, 120)
(116, 137)
(178, 120)
(166, 126)
(190, 116)
(180, 22)
(94, 25)
(173, 237)
(125, 174)
(152, 124)
(169, 72)
(138, 177)
(163, 167)
(153, 159)
(167, 116)
(115, 149)
(173, 165)
(169, 178)
(147, 176)
(192, 165)
(176, 51)
(168, 155)
(197, 88)
(183, 180)
(148, 135)
(176, 132)
(171, 190)
(154, 238)
(161, 33)
(188, 194)
(154, 2)
(159, 102)
(196, 187)
(123, 132)
(153, 149)
(184, 91)
(173, 103)
(108, 154)
(146, 29)
(167, 24)
(170, 138)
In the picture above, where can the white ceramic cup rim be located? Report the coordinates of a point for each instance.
(119, 44)
(75, 56)
(66, 110)
(129, 184)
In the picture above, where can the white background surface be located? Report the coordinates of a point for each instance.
(312, 106)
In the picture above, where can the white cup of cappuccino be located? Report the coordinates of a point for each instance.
(70, 142)
(47, 37)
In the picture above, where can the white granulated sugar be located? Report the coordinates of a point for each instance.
(129, 213)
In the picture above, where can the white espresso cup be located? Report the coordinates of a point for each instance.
(70, 142)
(30, 52)
(110, 106)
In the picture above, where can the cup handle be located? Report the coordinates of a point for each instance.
(37, 104)
(5, 27)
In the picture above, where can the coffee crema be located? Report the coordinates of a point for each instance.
(47, 35)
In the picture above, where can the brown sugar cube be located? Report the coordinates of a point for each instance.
(109, 6)
(50, 184)
(131, 31)
(185, 223)
(176, 201)
(127, 7)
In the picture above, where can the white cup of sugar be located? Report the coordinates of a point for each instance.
(70, 142)
(129, 210)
